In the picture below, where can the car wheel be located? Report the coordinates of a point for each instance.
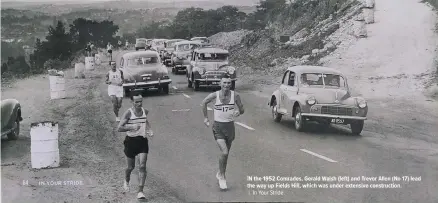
(275, 114)
(136, 49)
(233, 85)
(299, 120)
(126, 92)
(14, 134)
(356, 127)
(196, 85)
(166, 89)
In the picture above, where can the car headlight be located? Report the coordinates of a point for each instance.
(201, 71)
(231, 70)
(311, 100)
(361, 103)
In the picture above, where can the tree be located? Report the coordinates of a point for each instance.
(59, 43)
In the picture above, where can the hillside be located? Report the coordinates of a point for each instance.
(378, 66)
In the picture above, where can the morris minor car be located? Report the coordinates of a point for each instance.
(207, 66)
(11, 118)
(181, 55)
(321, 94)
(144, 70)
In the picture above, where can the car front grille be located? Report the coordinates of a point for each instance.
(215, 73)
(335, 110)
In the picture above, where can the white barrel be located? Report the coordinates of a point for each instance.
(360, 29)
(368, 14)
(97, 59)
(57, 87)
(44, 145)
(89, 63)
(79, 70)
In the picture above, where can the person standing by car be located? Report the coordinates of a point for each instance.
(114, 79)
(109, 48)
(136, 125)
(223, 127)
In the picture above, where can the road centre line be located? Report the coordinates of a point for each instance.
(182, 110)
(174, 88)
(318, 155)
(186, 95)
(245, 126)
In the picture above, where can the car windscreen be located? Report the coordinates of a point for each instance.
(140, 41)
(212, 57)
(142, 61)
(187, 47)
(321, 79)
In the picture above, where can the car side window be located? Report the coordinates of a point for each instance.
(285, 78)
(291, 81)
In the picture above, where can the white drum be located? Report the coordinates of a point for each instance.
(44, 145)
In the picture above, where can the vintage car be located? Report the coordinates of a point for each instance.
(140, 43)
(11, 118)
(158, 45)
(169, 47)
(315, 93)
(200, 39)
(181, 55)
(207, 65)
(144, 70)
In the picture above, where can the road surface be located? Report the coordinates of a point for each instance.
(183, 158)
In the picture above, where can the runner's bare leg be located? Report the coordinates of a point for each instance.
(142, 171)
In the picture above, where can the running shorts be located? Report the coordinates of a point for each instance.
(135, 146)
(224, 130)
(114, 90)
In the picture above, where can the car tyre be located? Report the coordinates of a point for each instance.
(166, 89)
(14, 134)
(196, 86)
(275, 114)
(299, 120)
(357, 127)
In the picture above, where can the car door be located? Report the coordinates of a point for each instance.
(289, 91)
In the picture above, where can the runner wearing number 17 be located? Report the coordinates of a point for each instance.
(223, 127)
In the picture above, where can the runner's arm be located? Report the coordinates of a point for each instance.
(124, 121)
(121, 76)
(239, 103)
(148, 125)
(207, 100)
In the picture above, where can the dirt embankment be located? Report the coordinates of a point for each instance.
(90, 150)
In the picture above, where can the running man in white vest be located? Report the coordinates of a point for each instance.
(136, 125)
(223, 126)
(109, 48)
(114, 79)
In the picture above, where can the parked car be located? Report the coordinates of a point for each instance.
(207, 65)
(201, 39)
(315, 93)
(140, 43)
(169, 47)
(181, 55)
(144, 70)
(11, 118)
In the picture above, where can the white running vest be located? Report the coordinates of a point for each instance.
(137, 121)
(224, 112)
(115, 77)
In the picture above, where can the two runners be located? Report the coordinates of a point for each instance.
(223, 126)
(136, 125)
(114, 79)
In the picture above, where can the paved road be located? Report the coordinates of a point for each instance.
(183, 154)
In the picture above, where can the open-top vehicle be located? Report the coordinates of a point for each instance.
(144, 70)
(181, 55)
(315, 93)
(207, 65)
(11, 118)
(166, 53)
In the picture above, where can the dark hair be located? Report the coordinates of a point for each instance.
(112, 62)
(134, 94)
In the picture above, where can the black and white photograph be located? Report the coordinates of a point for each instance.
(172, 101)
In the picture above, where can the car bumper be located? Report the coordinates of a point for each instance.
(211, 81)
(181, 67)
(150, 84)
(333, 116)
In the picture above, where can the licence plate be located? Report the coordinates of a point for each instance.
(215, 83)
(338, 121)
(146, 78)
